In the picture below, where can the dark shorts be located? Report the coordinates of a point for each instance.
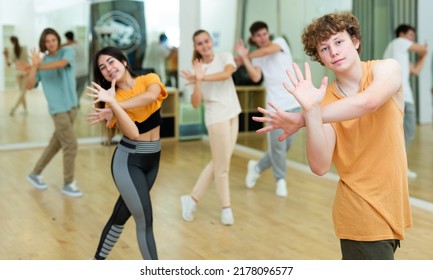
(372, 250)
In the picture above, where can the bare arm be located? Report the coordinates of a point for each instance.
(320, 142)
(6, 54)
(386, 84)
(254, 73)
(142, 99)
(194, 79)
(196, 97)
(124, 122)
(62, 63)
(220, 76)
(37, 65)
(31, 78)
(36, 61)
(421, 51)
(320, 138)
(263, 51)
(106, 114)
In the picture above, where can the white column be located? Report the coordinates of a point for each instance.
(189, 22)
(425, 34)
(2, 62)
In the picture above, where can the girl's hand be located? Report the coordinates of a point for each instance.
(22, 66)
(100, 115)
(37, 57)
(198, 73)
(187, 76)
(102, 95)
(198, 69)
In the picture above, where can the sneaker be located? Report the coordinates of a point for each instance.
(281, 188)
(188, 207)
(227, 217)
(71, 190)
(252, 174)
(411, 174)
(37, 181)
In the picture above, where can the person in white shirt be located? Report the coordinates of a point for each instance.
(400, 49)
(156, 56)
(19, 56)
(212, 84)
(271, 59)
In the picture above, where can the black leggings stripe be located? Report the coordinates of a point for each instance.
(112, 237)
(134, 174)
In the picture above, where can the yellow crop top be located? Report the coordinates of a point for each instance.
(140, 114)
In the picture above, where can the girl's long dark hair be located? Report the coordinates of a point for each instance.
(115, 53)
(99, 78)
(17, 47)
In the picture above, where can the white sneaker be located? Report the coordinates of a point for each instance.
(188, 207)
(71, 190)
(252, 174)
(281, 188)
(227, 217)
(411, 174)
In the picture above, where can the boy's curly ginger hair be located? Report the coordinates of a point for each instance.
(323, 28)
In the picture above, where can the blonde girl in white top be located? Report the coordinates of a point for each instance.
(211, 79)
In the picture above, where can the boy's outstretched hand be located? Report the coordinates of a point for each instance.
(289, 122)
(304, 92)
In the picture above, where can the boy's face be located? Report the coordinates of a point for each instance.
(261, 38)
(410, 35)
(339, 51)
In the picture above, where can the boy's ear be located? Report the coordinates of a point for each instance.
(356, 42)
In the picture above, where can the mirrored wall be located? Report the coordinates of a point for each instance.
(34, 125)
(284, 17)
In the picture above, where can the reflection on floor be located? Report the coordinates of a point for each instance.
(36, 125)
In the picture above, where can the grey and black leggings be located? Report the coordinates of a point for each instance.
(134, 168)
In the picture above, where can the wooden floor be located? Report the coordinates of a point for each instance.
(45, 225)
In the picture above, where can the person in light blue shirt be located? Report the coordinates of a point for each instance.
(55, 69)
(59, 80)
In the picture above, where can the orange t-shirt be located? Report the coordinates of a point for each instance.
(372, 197)
(140, 114)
